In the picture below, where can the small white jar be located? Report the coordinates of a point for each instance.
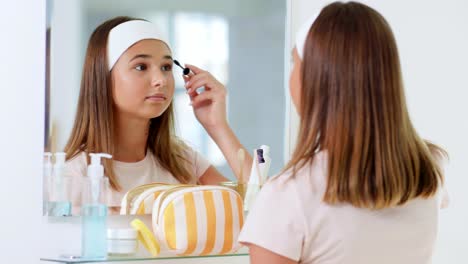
(122, 242)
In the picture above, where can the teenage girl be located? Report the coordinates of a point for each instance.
(362, 186)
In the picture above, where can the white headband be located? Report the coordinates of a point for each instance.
(301, 35)
(126, 34)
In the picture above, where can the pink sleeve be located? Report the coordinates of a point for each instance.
(275, 221)
(198, 162)
(442, 163)
(445, 200)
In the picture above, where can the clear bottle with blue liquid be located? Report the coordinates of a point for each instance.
(94, 211)
(59, 203)
(46, 182)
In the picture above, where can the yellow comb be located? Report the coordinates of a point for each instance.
(146, 237)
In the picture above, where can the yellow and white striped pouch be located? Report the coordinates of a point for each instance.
(198, 220)
(140, 200)
(128, 204)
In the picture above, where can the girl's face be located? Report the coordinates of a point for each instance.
(143, 83)
(295, 80)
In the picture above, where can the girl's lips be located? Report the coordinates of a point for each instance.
(156, 97)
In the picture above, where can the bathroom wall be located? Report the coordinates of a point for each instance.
(432, 38)
(22, 74)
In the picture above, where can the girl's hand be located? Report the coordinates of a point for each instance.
(210, 109)
(209, 105)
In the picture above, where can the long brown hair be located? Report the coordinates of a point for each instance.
(353, 107)
(93, 130)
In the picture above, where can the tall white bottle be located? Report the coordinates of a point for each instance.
(94, 212)
(46, 181)
(60, 204)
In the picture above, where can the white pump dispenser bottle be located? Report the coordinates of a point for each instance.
(46, 180)
(94, 212)
(60, 205)
(96, 175)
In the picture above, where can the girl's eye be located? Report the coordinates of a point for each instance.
(166, 67)
(140, 67)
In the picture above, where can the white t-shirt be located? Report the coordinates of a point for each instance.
(289, 218)
(130, 175)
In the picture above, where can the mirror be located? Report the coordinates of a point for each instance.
(240, 42)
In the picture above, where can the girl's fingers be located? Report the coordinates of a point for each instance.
(187, 79)
(202, 98)
(194, 69)
(192, 94)
(189, 91)
(198, 77)
(209, 83)
(201, 83)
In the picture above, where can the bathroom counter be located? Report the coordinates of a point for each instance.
(63, 238)
(239, 257)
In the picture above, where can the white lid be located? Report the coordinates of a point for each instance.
(122, 233)
(266, 149)
(96, 173)
(95, 169)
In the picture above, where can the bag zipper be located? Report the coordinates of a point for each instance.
(137, 191)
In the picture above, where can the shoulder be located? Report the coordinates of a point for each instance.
(282, 205)
(310, 178)
(441, 159)
(439, 155)
(196, 162)
(292, 190)
(299, 194)
(188, 150)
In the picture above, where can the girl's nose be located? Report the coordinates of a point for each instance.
(158, 80)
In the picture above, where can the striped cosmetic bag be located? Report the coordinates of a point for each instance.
(198, 220)
(139, 200)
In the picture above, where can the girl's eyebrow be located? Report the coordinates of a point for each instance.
(143, 56)
(147, 56)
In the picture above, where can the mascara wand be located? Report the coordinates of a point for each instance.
(186, 71)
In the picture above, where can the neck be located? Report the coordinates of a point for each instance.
(130, 138)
